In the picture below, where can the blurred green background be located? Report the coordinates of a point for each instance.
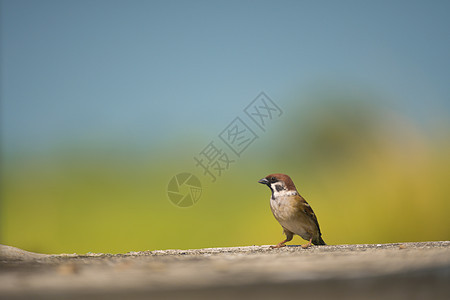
(103, 102)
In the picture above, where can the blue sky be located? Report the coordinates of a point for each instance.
(146, 71)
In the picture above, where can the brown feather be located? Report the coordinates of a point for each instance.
(286, 179)
(301, 211)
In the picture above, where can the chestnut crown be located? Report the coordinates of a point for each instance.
(278, 179)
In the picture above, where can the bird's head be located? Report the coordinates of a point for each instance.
(279, 183)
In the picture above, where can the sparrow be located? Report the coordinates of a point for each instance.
(292, 211)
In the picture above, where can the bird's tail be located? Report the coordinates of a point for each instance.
(319, 241)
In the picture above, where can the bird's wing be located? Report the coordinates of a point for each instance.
(306, 209)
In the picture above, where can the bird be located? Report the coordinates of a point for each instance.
(292, 211)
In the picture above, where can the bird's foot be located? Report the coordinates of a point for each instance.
(306, 246)
(279, 245)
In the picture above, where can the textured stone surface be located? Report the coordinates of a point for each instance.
(389, 271)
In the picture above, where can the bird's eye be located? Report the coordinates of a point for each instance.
(273, 179)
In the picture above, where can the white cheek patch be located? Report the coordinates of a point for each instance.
(279, 190)
(278, 187)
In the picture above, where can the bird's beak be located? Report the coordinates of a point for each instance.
(263, 181)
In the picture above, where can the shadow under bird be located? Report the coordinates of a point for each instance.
(292, 211)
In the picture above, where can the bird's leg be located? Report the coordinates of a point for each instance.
(307, 245)
(289, 236)
(280, 244)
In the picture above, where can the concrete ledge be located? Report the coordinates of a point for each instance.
(369, 271)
